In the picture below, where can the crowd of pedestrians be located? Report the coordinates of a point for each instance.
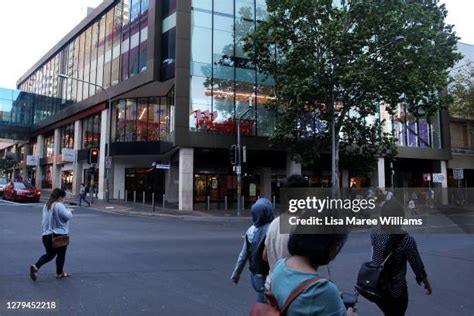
(284, 268)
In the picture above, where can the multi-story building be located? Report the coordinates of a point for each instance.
(177, 75)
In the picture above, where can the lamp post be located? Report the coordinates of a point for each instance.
(109, 116)
(238, 169)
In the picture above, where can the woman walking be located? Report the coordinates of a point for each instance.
(252, 249)
(55, 223)
(402, 248)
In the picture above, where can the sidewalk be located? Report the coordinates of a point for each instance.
(140, 209)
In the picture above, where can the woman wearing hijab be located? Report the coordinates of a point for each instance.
(252, 249)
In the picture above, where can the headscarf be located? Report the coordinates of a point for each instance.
(262, 212)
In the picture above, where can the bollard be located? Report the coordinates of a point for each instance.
(153, 201)
(274, 202)
(225, 203)
(164, 201)
(208, 202)
(143, 198)
(126, 196)
(134, 196)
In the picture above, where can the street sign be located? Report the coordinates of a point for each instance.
(162, 166)
(69, 155)
(108, 162)
(438, 178)
(244, 154)
(238, 169)
(458, 173)
(427, 177)
(32, 160)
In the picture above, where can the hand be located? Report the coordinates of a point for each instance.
(427, 286)
(235, 279)
(351, 312)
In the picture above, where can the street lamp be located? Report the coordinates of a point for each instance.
(238, 168)
(109, 116)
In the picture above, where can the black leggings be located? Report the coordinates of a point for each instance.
(394, 306)
(51, 253)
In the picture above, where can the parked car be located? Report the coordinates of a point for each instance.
(3, 184)
(21, 191)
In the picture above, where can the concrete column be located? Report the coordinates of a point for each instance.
(77, 166)
(381, 173)
(292, 167)
(56, 164)
(104, 127)
(186, 172)
(171, 184)
(24, 167)
(345, 178)
(266, 182)
(444, 184)
(39, 170)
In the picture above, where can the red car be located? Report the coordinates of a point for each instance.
(21, 191)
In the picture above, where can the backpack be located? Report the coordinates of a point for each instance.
(374, 280)
(86, 189)
(271, 308)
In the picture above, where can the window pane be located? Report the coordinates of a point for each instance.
(121, 122)
(142, 121)
(131, 123)
(153, 119)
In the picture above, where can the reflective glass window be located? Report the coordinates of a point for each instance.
(142, 120)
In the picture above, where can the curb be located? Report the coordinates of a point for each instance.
(201, 218)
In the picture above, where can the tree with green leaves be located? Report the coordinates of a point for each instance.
(6, 164)
(339, 62)
(462, 91)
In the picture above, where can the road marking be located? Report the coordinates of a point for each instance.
(11, 203)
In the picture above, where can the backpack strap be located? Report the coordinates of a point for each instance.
(393, 244)
(296, 292)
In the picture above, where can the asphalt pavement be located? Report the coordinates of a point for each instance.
(135, 265)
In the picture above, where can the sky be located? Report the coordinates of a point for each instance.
(26, 35)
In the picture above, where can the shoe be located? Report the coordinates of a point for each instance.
(33, 273)
(63, 275)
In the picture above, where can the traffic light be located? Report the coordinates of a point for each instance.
(233, 155)
(93, 156)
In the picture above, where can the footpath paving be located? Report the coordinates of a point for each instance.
(171, 210)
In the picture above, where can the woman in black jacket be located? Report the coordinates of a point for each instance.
(383, 240)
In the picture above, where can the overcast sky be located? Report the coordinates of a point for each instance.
(27, 34)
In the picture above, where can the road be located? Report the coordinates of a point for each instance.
(128, 265)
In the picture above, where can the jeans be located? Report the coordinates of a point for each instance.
(82, 197)
(59, 253)
(258, 283)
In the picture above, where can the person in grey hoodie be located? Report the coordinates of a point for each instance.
(55, 221)
(252, 249)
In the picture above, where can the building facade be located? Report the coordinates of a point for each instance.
(177, 77)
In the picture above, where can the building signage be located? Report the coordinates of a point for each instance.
(162, 166)
(252, 189)
(438, 178)
(69, 155)
(458, 173)
(32, 160)
(108, 162)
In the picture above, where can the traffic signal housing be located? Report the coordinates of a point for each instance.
(93, 156)
(233, 155)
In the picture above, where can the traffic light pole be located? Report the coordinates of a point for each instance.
(239, 165)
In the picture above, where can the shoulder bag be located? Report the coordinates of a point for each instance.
(271, 307)
(58, 241)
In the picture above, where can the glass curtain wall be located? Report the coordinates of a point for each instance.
(224, 81)
(112, 48)
(410, 130)
(143, 119)
(67, 134)
(91, 131)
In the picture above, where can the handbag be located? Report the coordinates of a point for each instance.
(271, 307)
(57, 241)
(372, 278)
